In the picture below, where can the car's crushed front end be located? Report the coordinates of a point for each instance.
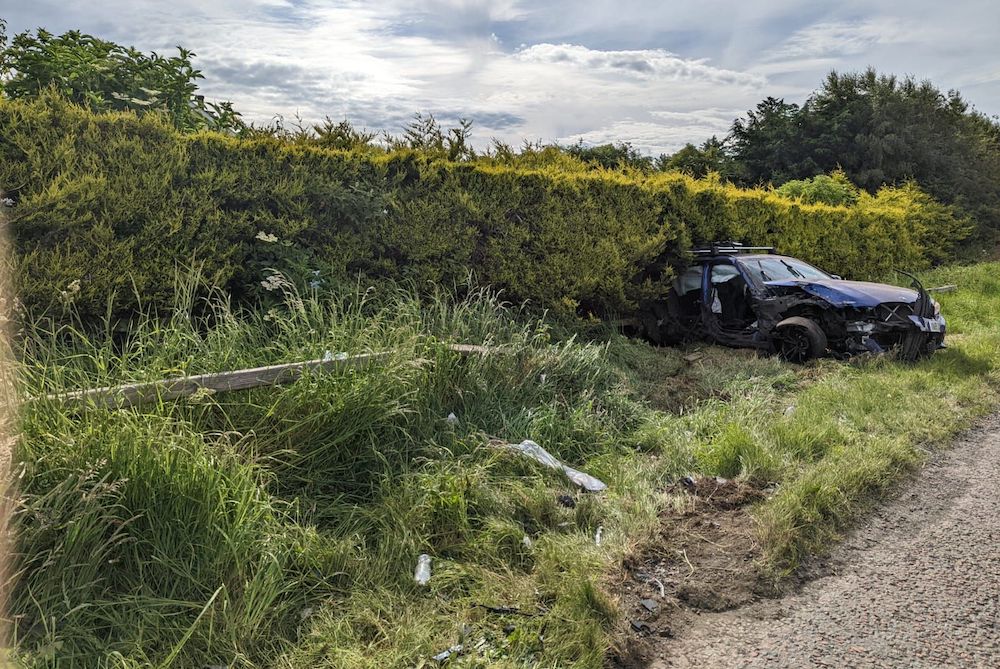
(860, 317)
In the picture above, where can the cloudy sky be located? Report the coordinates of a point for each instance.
(656, 73)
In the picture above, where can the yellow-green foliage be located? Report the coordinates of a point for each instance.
(118, 203)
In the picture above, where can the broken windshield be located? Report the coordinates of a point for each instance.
(779, 268)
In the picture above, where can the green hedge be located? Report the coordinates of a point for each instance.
(119, 203)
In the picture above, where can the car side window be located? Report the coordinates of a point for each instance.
(723, 273)
(688, 281)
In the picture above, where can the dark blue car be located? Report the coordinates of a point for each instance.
(752, 297)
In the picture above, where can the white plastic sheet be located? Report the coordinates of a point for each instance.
(536, 452)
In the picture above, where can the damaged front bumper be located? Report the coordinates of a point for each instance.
(912, 336)
(934, 325)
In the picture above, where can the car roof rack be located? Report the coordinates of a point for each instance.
(730, 248)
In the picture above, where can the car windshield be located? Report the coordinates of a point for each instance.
(780, 268)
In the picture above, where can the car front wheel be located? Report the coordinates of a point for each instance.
(798, 339)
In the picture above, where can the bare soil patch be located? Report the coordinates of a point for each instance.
(704, 560)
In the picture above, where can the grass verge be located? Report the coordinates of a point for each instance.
(281, 527)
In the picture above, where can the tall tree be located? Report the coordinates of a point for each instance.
(106, 76)
(610, 156)
(698, 161)
(880, 130)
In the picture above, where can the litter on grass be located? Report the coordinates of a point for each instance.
(422, 574)
(446, 655)
(536, 452)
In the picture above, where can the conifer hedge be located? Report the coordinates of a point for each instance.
(119, 203)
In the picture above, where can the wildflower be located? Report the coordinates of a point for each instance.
(273, 282)
(69, 295)
(266, 237)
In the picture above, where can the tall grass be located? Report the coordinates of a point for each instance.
(279, 527)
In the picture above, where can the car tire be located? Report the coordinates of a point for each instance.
(798, 339)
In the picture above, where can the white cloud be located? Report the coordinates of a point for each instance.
(652, 73)
(842, 38)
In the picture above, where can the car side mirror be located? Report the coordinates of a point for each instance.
(837, 276)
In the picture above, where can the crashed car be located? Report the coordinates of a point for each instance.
(744, 296)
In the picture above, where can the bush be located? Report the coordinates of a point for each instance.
(118, 202)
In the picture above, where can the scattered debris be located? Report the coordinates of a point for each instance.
(651, 580)
(567, 501)
(790, 409)
(650, 605)
(329, 356)
(694, 357)
(446, 655)
(640, 627)
(528, 543)
(509, 629)
(451, 419)
(422, 574)
(543, 377)
(536, 452)
(306, 612)
(597, 536)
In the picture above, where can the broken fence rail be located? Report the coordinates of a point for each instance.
(124, 396)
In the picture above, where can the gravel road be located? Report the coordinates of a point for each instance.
(917, 586)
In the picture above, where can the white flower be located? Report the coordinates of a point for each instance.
(273, 282)
(267, 237)
(69, 295)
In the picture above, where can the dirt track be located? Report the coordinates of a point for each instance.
(917, 586)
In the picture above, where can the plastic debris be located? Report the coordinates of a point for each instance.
(330, 356)
(790, 409)
(422, 574)
(543, 377)
(446, 655)
(598, 534)
(649, 604)
(451, 419)
(689, 482)
(640, 627)
(566, 501)
(536, 452)
(528, 543)
(652, 580)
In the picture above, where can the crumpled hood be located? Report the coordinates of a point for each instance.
(842, 293)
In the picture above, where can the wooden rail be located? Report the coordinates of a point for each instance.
(121, 397)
